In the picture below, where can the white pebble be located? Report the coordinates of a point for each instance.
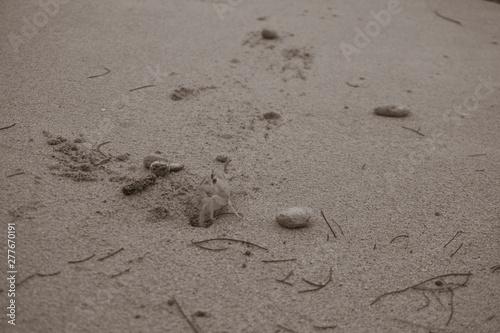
(392, 111)
(295, 217)
(174, 167)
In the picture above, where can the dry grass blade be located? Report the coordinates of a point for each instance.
(228, 239)
(111, 254)
(318, 286)
(94, 76)
(185, 317)
(82, 260)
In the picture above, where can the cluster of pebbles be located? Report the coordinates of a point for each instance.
(300, 217)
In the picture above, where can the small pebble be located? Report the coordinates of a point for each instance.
(152, 158)
(201, 314)
(269, 34)
(272, 115)
(221, 158)
(392, 111)
(159, 168)
(174, 167)
(295, 217)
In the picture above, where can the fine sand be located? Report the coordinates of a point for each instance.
(92, 87)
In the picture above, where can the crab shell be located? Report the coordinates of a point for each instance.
(217, 188)
(213, 194)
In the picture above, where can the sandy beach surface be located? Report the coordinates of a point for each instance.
(410, 238)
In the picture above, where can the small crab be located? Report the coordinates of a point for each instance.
(214, 192)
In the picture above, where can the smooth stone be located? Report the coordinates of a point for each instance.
(295, 217)
(152, 158)
(269, 34)
(174, 167)
(272, 115)
(392, 111)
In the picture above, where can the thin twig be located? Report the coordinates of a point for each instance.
(99, 150)
(118, 274)
(229, 239)
(456, 250)
(111, 254)
(325, 327)
(427, 302)
(149, 85)
(82, 260)
(400, 236)
(447, 18)
(312, 283)
(208, 248)
(390, 293)
(495, 268)
(451, 306)
(37, 274)
(417, 286)
(283, 123)
(392, 240)
(474, 155)
(185, 317)
(352, 85)
(458, 232)
(278, 260)
(284, 280)
(106, 160)
(329, 226)
(411, 129)
(319, 286)
(2, 128)
(433, 292)
(338, 225)
(93, 76)
(16, 174)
